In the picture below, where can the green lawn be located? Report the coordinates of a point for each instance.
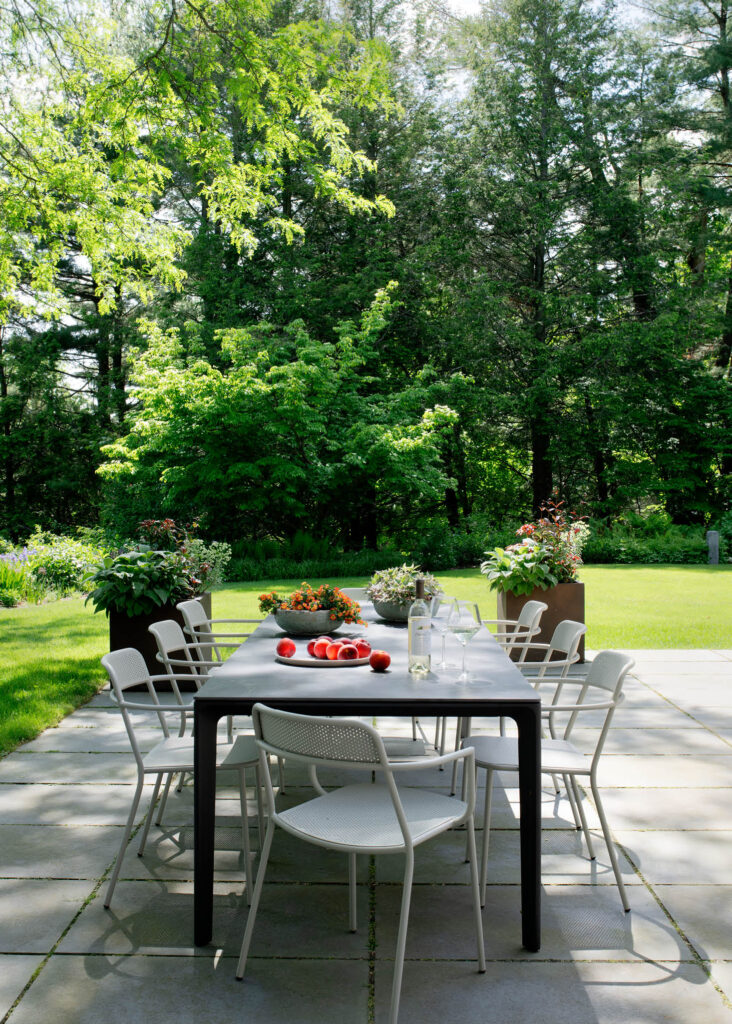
(51, 652)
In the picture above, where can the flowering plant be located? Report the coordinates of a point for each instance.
(398, 584)
(167, 565)
(548, 553)
(305, 599)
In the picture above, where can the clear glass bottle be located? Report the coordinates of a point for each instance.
(420, 635)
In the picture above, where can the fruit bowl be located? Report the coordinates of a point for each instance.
(391, 611)
(306, 623)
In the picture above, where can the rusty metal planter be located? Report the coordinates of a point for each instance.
(565, 601)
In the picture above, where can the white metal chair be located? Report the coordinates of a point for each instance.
(517, 633)
(359, 818)
(558, 755)
(201, 629)
(172, 754)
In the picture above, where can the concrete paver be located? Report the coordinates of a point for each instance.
(666, 779)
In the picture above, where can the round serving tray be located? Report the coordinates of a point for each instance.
(320, 662)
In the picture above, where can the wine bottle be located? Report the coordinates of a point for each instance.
(419, 624)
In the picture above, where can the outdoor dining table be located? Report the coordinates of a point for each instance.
(252, 675)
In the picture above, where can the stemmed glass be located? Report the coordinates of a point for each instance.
(439, 610)
(464, 622)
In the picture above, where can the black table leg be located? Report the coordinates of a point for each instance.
(528, 721)
(206, 722)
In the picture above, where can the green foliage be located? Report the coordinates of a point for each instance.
(137, 582)
(303, 432)
(648, 540)
(60, 564)
(519, 568)
(398, 584)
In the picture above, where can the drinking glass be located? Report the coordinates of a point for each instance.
(439, 610)
(464, 622)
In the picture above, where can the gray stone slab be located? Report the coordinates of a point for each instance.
(579, 993)
(668, 808)
(717, 719)
(184, 990)
(579, 922)
(157, 919)
(703, 912)
(681, 772)
(564, 860)
(675, 657)
(15, 973)
(693, 739)
(72, 804)
(34, 912)
(695, 856)
(721, 971)
(90, 740)
(68, 768)
(57, 851)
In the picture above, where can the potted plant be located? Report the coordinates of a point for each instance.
(308, 612)
(392, 591)
(542, 566)
(143, 582)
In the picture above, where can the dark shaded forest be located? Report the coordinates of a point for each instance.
(364, 272)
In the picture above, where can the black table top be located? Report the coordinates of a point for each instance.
(251, 674)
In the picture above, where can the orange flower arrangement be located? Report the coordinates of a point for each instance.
(305, 599)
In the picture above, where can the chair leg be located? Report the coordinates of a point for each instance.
(245, 847)
(583, 818)
(163, 802)
(610, 845)
(396, 987)
(281, 775)
(572, 798)
(260, 807)
(229, 729)
(241, 966)
(462, 731)
(486, 834)
(352, 893)
(149, 816)
(125, 841)
(414, 728)
(476, 894)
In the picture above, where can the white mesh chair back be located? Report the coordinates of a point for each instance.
(527, 626)
(127, 668)
(199, 629)
(566, 638)
(174, 651)
(318, 740)
(601, 689)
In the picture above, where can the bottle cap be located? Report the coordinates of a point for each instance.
(419, 589)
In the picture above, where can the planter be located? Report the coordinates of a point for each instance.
(132, 631)
(307, 623)
(391, 611)
(565, 601)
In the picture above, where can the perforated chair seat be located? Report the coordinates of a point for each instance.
(501, 753)
(176, 754)
(362, 817)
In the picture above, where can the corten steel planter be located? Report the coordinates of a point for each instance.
(565, 601)
(132, 631)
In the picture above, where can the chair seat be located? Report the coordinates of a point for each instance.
(362, 816)
(501, 754)
(176, 754)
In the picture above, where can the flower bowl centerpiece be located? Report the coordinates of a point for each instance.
(392, 591)
(308, 612)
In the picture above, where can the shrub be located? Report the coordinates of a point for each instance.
(60, 563)
(652, 541)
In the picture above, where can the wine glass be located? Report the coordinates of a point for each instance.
(464, 622)
(439, 610)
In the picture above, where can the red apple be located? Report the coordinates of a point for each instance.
(332, 649)
(364, 648)
(379, 661)
(320, 648)
(347, 652)
(286, 648)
